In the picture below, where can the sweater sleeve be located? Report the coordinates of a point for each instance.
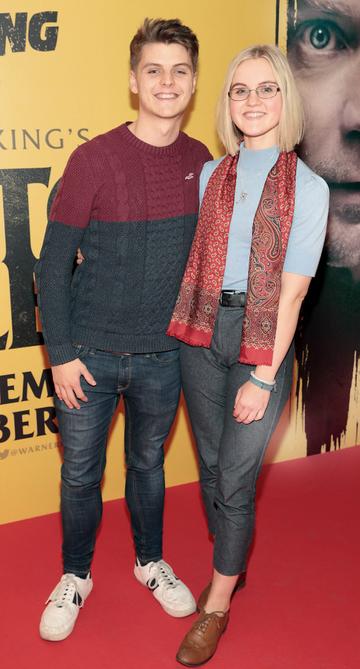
(70, 215)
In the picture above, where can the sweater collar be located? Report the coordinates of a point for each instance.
(144, 147)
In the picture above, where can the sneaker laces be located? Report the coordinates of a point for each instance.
(65, 593)
(164, 575)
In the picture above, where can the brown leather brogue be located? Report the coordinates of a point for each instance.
(201, 602)
(200, 643)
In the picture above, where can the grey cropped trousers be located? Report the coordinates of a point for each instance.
(230, 453)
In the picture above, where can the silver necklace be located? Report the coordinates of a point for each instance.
(243, 194)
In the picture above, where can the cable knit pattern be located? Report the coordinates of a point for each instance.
(155, 174)
(120, 193)
(132, 208)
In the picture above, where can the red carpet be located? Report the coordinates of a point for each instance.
(299, 610)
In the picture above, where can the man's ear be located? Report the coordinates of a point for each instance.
(194, 83)
(133, 82)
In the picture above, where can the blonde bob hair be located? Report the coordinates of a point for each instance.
(291, 125)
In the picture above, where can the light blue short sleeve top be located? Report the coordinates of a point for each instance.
(308, 228)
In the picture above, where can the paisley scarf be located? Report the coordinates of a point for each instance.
(194, 316)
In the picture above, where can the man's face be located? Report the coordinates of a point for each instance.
(164, 80)
(324, 54)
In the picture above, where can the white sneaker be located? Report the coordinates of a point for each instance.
(173, 595)
(63, 606)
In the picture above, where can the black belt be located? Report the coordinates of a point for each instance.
(232, 298)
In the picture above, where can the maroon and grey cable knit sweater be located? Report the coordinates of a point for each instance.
(132, 208)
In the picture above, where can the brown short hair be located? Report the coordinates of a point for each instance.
(170, 31)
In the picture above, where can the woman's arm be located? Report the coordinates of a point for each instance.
(302, 257)
(251, 402)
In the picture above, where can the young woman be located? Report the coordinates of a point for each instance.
(258, 242)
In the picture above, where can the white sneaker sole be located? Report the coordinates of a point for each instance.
(175, 613)
(49, 635)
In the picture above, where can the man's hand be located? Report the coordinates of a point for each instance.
(67, 382)
(250, 403)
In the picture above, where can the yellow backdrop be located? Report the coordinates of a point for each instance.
(64, 78)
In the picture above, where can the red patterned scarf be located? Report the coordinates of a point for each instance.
(194, 316)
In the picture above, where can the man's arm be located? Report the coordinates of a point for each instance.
(69, 217)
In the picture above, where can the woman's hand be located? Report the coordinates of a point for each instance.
(250, 403)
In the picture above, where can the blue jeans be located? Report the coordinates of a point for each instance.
(230, 453)
(150, 386)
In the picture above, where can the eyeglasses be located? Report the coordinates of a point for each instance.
(264, 92)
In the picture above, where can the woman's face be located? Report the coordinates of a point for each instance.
(256, 118)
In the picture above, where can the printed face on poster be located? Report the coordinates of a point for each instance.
(323, 42)
(324, 52)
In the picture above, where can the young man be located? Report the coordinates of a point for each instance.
(129, 198)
